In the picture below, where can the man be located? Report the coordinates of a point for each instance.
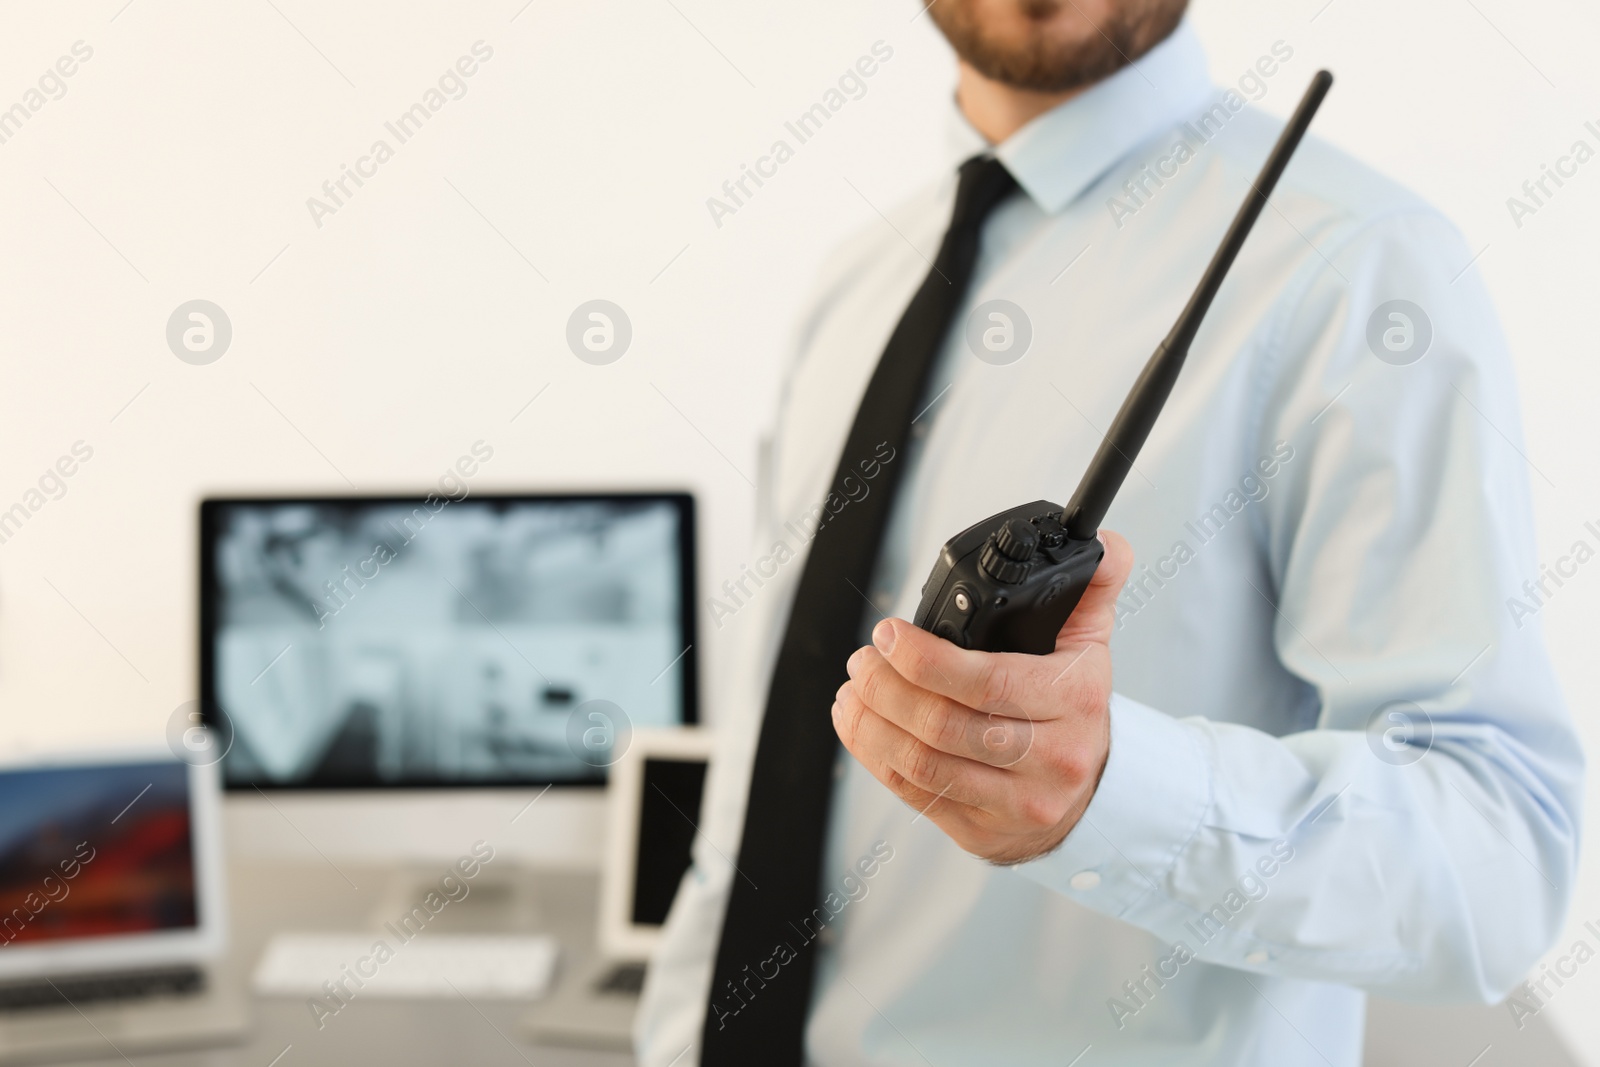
(1306, 755)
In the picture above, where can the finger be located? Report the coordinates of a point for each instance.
(1096, 614)
(991, 682)
(935, 720)
(844, 714)
(896, 758)
(964, 824)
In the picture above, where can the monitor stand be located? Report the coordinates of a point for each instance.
(496, 900)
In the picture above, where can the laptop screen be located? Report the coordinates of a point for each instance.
(360, 642)
(669, 809)
(95, 850)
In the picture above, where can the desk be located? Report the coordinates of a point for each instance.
(268, 898)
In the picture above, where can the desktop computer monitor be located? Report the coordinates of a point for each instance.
(358, 642)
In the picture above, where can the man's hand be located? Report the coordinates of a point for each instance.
(1002, 750)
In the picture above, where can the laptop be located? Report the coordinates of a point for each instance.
(654, 811)
(111, 907)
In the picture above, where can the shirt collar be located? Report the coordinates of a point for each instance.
(1060, 154)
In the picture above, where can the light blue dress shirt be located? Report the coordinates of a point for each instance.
(1339, 763)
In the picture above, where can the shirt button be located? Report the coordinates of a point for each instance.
(827, 936)
(1085, 880)
(1257, 958)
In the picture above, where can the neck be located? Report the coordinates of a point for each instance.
(997, 110)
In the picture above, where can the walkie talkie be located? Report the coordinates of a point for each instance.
(1008, 583)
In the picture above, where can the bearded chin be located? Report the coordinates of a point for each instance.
(1048, 62)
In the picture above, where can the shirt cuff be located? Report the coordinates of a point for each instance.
(1151, 801)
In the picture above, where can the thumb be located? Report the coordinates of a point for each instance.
(1096, 614)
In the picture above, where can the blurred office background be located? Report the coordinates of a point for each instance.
(376, 339)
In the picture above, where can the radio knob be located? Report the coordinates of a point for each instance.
(1051, 533)
(1005, 558)
(1017, 540)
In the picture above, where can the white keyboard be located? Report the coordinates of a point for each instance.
(429, 965)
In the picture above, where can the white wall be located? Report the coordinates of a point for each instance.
(422, 315)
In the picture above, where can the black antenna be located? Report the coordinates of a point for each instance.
(1114, 459)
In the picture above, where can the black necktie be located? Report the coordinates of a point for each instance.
(761, 988)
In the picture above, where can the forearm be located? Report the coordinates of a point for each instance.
(1310, 857)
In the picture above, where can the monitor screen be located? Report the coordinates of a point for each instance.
(491, 640)
(669, 810)
(94, 851)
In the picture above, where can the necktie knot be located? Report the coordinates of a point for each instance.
(985, 183)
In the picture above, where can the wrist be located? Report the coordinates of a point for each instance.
(1079, 799)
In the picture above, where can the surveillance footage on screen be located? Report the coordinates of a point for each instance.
(357, 644)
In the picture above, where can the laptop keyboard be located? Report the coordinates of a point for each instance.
(81, 989)
(625, 978)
